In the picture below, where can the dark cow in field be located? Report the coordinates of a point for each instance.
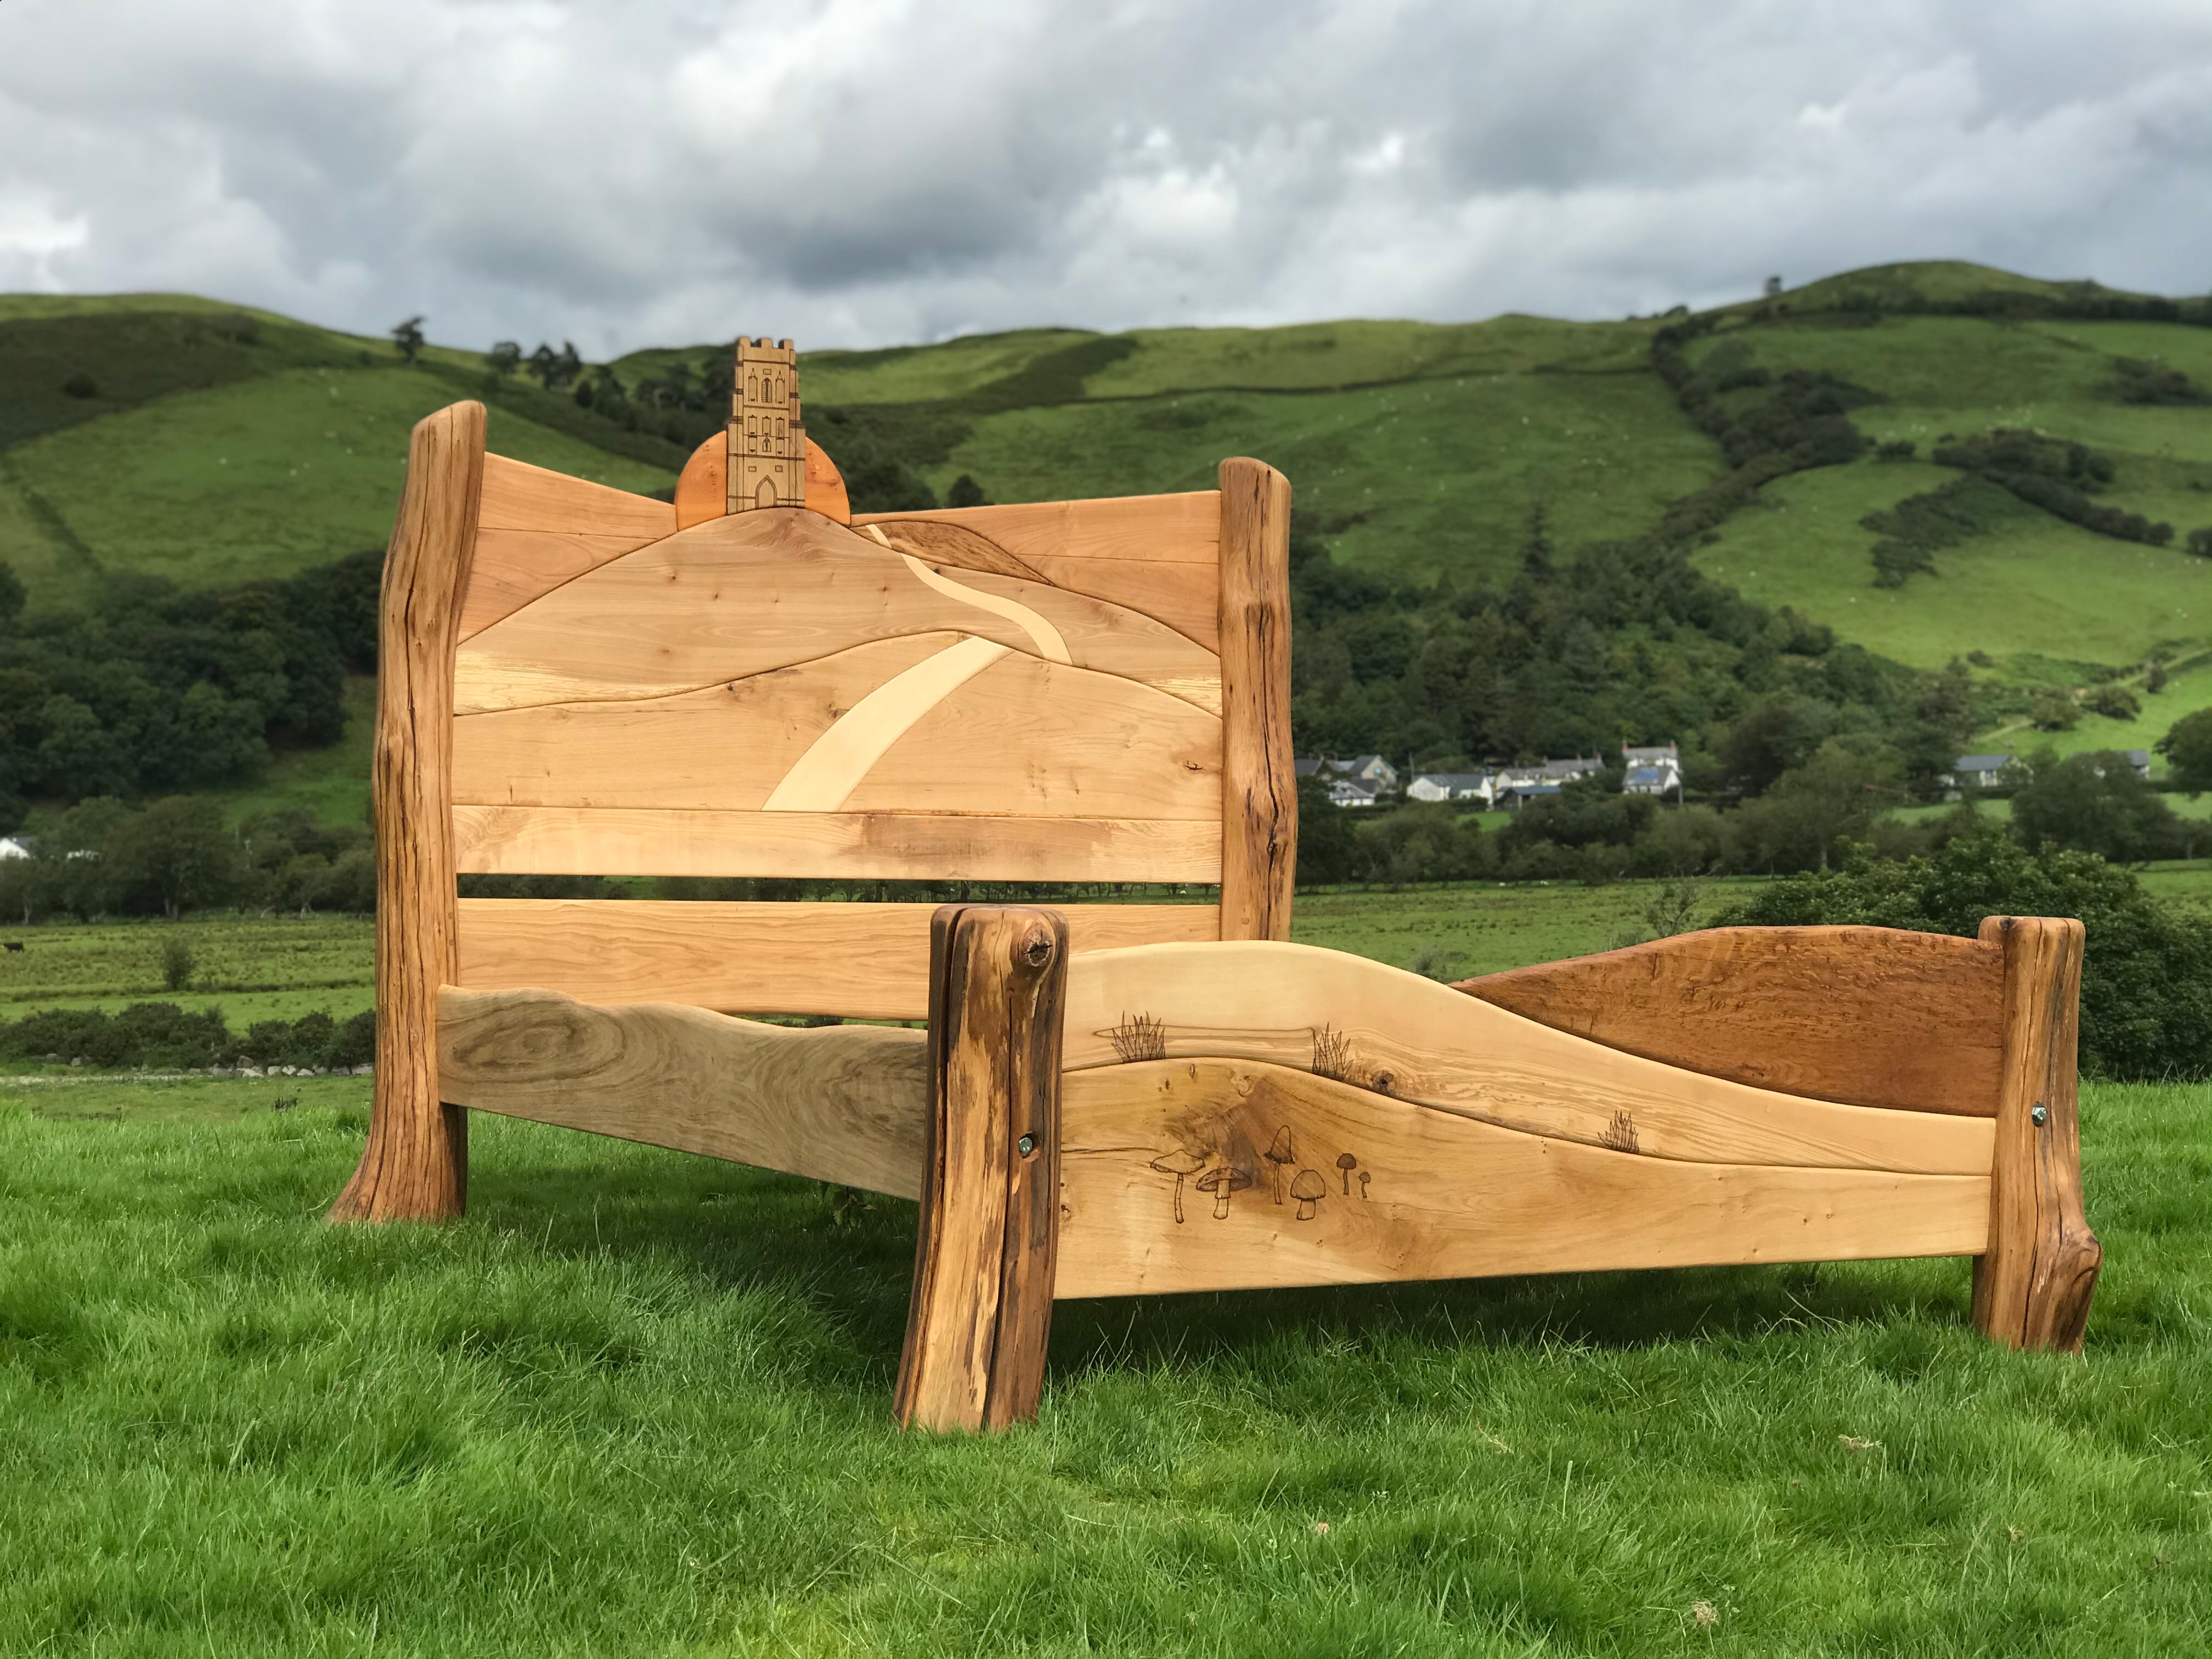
(13, 943)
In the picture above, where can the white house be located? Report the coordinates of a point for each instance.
(1347, 791)
(1452, 786)
(12, 848)
(1371, 773)
(1987, 771)
(1655, 770)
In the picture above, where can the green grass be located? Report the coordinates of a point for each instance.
(2035, 585)
(1485, 927)
(1432, 475)
(252, 967)
(257, 478)
(332, 782)
(639, 1403)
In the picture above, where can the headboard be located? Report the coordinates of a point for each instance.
(1072, 691)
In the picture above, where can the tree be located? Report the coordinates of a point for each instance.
(408, 336)
(2187, 747)
(2114, 702)
(2147, 979)
(1328, 843)
(1773, 287)
(2093, 803)
(505, 358)
(1813, 809)
(2200, 542)
(964, 492)
(180, 847)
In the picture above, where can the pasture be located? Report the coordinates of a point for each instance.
(640, 1403)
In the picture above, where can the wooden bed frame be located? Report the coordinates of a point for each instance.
(1109, 1099)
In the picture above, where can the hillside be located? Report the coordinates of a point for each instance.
(210, 443)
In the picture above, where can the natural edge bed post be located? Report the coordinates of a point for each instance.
(984, 1255)
(1259, 779)
(415, 1167)
(2032, 1288)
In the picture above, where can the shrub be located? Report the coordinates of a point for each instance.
(177, 963)
(2147, 985)
(2114, 702)
(2188, 748)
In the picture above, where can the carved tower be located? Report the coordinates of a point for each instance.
(767, 444)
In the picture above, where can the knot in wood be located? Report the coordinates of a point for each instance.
(1036, 950)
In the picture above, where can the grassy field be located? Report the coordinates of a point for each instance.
(252, 967)
(639, 1403)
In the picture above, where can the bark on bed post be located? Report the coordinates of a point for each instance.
(990, 1198)
(415, 1167)
(2033, 1288)
(1259, 780)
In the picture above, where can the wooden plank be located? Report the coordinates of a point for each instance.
(514, 567)
(520, 497)
(983, 1262)
(846, 1103)
(1177, 529)
(1184, 597)
(888, 845)
(703, 487)
(929, 723)
(2032, 1288)
(1398, 1034)
(415, 1166)
(1874, 1015)
(1258, 782)
(863, 961)
(825, 486)
(1373, 1189)
(686, 612)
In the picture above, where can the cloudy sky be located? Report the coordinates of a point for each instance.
(867, 172)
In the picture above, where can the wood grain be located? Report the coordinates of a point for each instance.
(1398, 1034)
(825, 486)
(1007, 735)
(514, 567)
(1179, 529)
(1259, 783)
(1374, 1189)
(1159, 554)
(2032, 1288)
(415, 1166)
(984, 1253)
(891, 845)
(520, 497)
(847, 1103)
(703, 487)
(862, 960)
(951, 545)
(1874, 1015)
(1184, 597)
(687, 612)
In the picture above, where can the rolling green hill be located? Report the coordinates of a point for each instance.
(210, 443)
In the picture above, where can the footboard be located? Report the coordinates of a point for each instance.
(1238, 1114)
(1268, 1114)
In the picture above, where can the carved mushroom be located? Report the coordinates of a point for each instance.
(1345, 1162)
(1279, 1154)
(1221, 1182)
(1308, 1189)
(1179, 1163)
(1364, 1179)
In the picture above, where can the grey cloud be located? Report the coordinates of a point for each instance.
(861, 172)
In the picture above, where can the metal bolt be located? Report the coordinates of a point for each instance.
(1028, 1143)
(2038, 1115)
